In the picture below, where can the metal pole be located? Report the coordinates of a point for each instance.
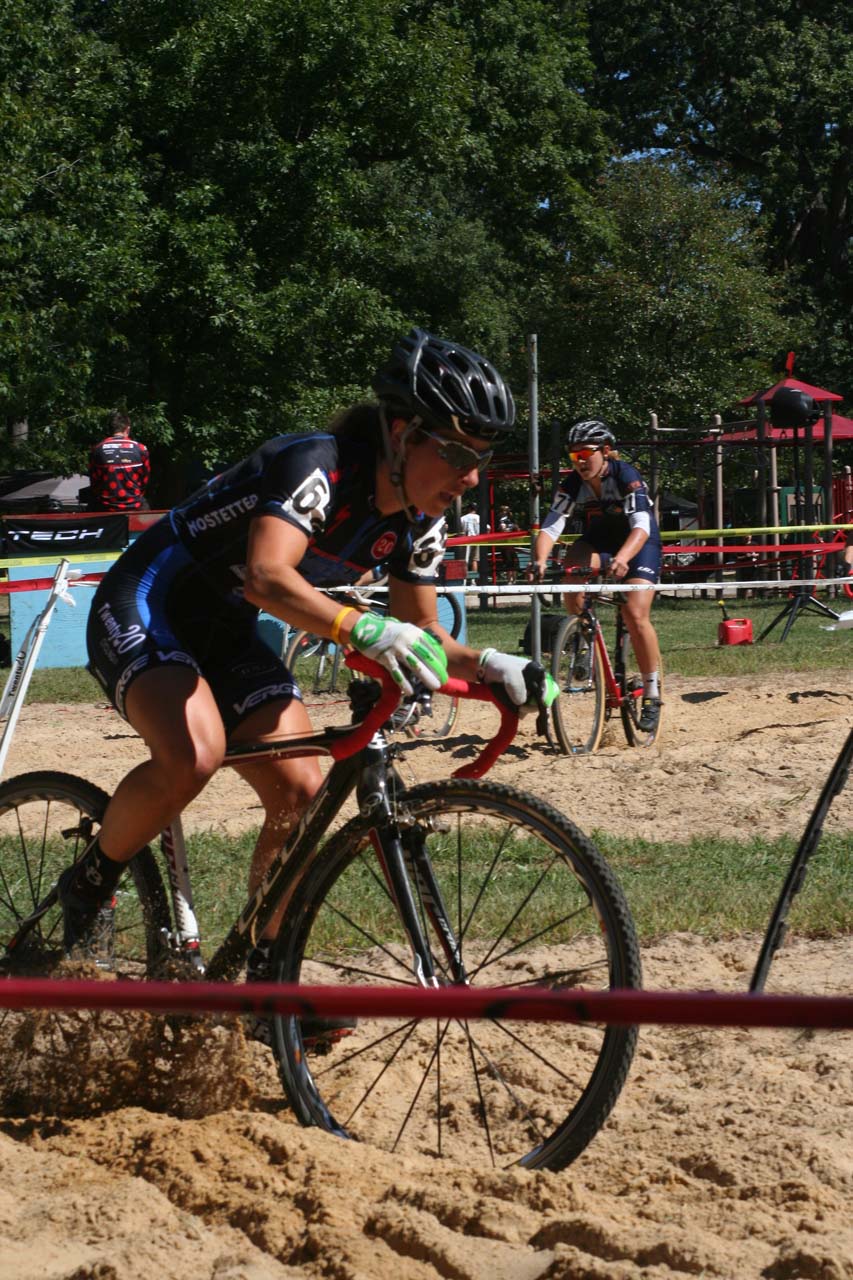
(761, 476)
(774, 505)
(718, 486)
(808, 474)
(533, 467)
(761, 461)
(654, 470)
(828, 508)
(484, 557)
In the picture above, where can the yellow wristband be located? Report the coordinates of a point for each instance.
(336, 625)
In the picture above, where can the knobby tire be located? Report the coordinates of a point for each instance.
(578, 712)
(47, 820)
(531, 902)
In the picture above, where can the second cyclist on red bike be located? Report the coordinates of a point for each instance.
(608, 501)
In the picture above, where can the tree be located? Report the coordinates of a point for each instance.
(320, 174)
(73, 261)
(758, 96)
(668, 308)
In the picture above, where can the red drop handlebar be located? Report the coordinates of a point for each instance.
(390, 697)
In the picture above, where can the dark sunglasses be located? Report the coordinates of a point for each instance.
(460, 456)
(584, 455)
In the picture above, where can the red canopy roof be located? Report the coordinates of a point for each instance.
(842, 429)
(817, 393)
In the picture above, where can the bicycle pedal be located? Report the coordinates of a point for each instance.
(320, 1035)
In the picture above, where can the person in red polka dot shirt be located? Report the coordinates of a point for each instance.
(119, 469)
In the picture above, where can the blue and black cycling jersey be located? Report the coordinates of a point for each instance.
(175, 597)
(326, 488)
(604, 521)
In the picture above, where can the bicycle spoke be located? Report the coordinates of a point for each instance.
(534, 905)
(526, 941)
(375, 1082)
(424, 1077)
(353, 1055)
(498, 1075)
(487, 877)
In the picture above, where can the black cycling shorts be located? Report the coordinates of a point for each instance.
(154, 609)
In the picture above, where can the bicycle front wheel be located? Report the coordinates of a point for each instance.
(578, 711)
(530, 903)
(317, 665)
(46, 822)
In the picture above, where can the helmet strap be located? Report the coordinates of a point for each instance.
(396, 459)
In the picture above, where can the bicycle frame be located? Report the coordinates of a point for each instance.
(363, 762)
(614, 673)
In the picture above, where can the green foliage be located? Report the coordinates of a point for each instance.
(314, 178)
(760, 95)
(72, 224)
(219, 215)
(664, 307)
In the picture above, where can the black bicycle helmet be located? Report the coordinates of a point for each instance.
(446, 385)
(589, 433)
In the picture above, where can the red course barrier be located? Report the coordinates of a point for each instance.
(626, 1008)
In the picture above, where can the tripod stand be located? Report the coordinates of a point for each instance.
(800, 601)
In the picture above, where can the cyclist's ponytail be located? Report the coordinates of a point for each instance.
(361, 423)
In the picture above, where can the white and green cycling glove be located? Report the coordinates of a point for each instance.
(521, 678)
(397, 645)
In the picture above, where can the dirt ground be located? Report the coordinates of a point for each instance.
(729, 1153)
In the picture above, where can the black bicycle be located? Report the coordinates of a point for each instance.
(319, 669)
(777, 927)
(446, 883)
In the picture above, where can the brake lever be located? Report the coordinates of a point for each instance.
(534, 679)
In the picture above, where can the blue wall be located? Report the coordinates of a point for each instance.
(65, 641)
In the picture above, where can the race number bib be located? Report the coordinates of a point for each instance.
(428, 550)
(309, 503)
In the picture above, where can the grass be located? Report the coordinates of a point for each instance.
(719, 888)
(713, 887)
(687, 631)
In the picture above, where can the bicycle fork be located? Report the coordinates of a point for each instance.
(409, 876)
(185, 938)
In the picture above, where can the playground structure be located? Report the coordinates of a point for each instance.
(792, 531)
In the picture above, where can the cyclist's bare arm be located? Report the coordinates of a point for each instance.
(273, 581)
(542, 548)
(417, 602)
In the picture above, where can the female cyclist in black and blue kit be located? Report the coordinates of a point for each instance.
(173, 635)
(619, 536)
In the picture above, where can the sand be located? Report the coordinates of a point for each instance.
(729, 1152)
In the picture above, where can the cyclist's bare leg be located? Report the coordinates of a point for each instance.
(285, 788)
(174, 712)
(636, 610)
(579, 555)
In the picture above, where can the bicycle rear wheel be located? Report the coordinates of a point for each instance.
(531, 903)
(46, 822)
(579, 710)
(631, 687)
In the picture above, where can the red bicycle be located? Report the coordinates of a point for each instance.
(593, 685)
(834, 546)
